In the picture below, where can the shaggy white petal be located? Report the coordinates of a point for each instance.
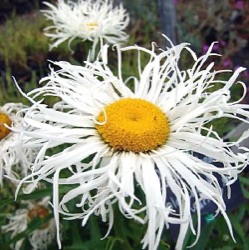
(14, 162)
(169, 171)
(88, 20)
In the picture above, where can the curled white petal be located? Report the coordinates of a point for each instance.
(96, 21)
(184, 97)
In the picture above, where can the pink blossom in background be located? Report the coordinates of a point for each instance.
(239, 4)
(215, 47)
(205, 48)
(223, 43)
(227, 63)
(245, 74)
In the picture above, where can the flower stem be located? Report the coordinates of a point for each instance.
(119, 230)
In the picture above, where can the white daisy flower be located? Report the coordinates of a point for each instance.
(140, 133)
(86, 19)
(39, 238)
(13, 162)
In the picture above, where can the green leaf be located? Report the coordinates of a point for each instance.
(204, 237)
(244, 180)
(238, 228)
(245, 192)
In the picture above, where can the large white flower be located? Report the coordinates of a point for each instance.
(140, 133)
(13, 162)
(39, 238)
(86, 19)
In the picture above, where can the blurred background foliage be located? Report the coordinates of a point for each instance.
(24, 54)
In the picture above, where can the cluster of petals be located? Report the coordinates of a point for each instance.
(88, 20)
(14, 162)
(18, 223)
(100, 176)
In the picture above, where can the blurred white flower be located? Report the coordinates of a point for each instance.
(13, 162)
(93, 20)
(140, 133)
(39, 238)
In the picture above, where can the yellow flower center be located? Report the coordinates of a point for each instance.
(4, 131)
(133, 125)
(92, 26)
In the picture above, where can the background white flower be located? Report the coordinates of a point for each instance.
(39, 238)
(97, 108)
(13, 161)
(86, 19)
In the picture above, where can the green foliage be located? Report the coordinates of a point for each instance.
(19, 37)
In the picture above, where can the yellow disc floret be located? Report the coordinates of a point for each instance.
(133, 125)
(4, 119)
(92, 26)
